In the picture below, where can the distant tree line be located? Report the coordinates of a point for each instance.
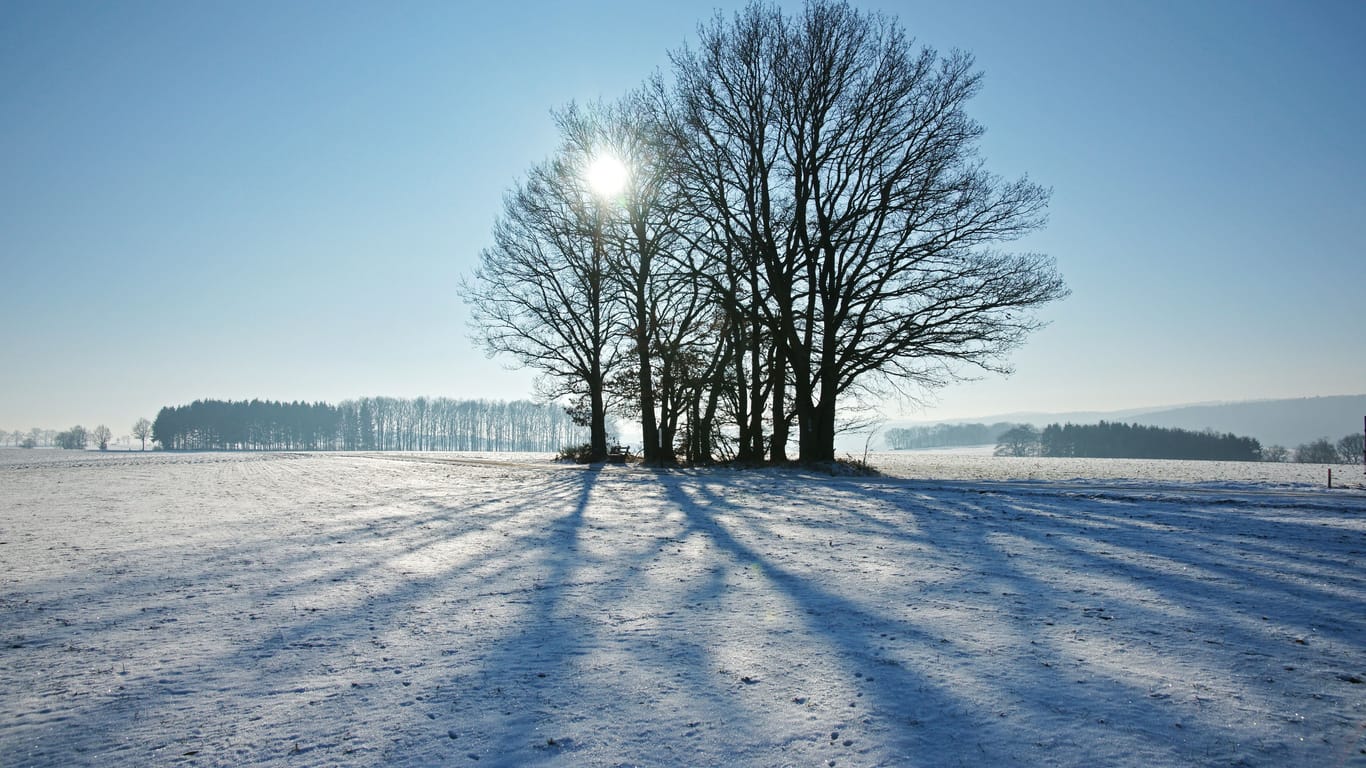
(442, 424)
(945, 435)
(1113, 440)
(33, 438)
(367, 424)
(255, 425)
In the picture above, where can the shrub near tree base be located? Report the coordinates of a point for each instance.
(579, 454)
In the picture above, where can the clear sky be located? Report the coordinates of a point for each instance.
(278, 200)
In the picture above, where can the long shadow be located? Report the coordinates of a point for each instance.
(597, 670)
(1111, 698)
(858, 633)
(352, 634)
(539, 654)
(368, 657)
(1196, 630)
(1214, 564)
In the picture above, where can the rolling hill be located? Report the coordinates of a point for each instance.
(1287, 422)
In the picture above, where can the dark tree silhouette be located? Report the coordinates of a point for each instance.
(542, 295)
(423, 424)
(807, 221)
(1350, 448)
(1319, 451)
(1022, 440)
(639, 232)
(868, 213)
(142, 430)
(75, 438)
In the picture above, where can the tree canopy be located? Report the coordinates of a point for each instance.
(806, 221)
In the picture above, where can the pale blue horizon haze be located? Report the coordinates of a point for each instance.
(278, 200)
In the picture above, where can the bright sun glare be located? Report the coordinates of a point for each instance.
(606, 175)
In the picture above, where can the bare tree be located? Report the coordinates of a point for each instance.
(1020, 440)
(639, 231)
(1277, 453)
(1319, 451)
(142, 430)
(1350, 448)
(842, 161)
(101, 436)
(75, 438)
(807, 193)
(541, 292)
(720, 120)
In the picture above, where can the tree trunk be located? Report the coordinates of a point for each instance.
(756, 395)
(804, 404)
(649, 426)
(597, 422)
(668, 415)
(741, 389)
(777, 375)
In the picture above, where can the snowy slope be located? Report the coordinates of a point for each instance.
(334, 609)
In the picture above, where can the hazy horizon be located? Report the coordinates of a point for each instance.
(277, 202)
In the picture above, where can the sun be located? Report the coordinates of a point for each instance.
(606, 176)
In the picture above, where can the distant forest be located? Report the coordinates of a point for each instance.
(945, 435)
(1110, 440)
(367, 424)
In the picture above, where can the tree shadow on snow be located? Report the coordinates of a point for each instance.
(1049, 631)
(615, 616)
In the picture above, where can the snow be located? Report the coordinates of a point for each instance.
(969, 465)
(218, 609)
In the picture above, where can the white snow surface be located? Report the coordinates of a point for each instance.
(215, 609)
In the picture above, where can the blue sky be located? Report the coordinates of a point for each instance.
(278, 200)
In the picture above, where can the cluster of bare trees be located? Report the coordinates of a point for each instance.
(77, 438)
(1348, 450)
(804, 221)
(36, 437)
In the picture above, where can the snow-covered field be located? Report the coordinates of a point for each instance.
(346, 609)
(978, 465)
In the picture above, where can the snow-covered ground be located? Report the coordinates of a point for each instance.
(346, 609)
(974, 464)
